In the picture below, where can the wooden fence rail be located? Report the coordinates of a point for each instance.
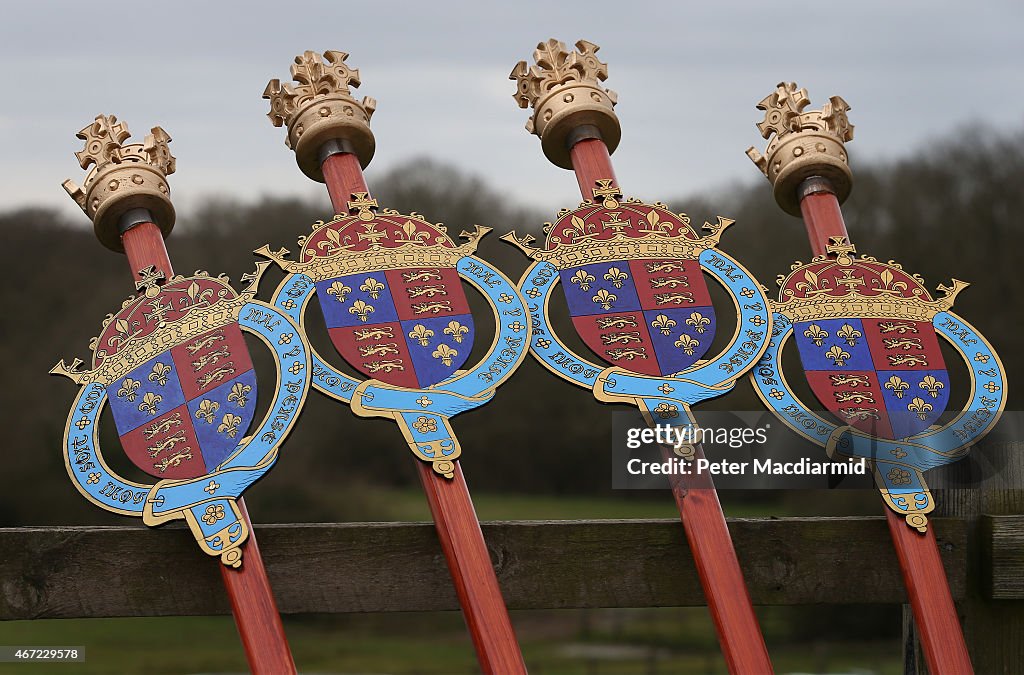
(70, 572)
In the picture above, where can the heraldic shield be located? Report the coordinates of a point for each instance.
(868, 336)
(881, 374)
(390, 289)
(633, 307)
(408, 326)
(174, 367)
(633, 280)
(654, 314)
(180, 413)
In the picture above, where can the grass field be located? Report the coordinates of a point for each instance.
(663, 640)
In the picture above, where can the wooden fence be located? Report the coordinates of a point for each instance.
(77, 572)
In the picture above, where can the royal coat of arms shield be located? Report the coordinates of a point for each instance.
(175, 369)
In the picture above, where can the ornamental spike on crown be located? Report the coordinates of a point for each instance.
(329, 76)
(122, 177)
(320, 107)
(104, 144)
(557, 66)
(564, 89)
(784, 114)
(803, 143)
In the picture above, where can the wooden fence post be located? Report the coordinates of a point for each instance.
(993, 627)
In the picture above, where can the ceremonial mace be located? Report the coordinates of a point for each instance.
(174, 367)
(632, 274)
(867, 334)
(389, 287)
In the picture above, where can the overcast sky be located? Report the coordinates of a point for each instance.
(688, 76)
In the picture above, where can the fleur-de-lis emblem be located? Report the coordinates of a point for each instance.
(931, 385)
(424, 424)
(666, 410)
(372, 286)
(887, 282)
(583, 280)
(919, 406)
(456, 330)
(214, 512)
(811, 283)
(605, 299)
(206, 410)
(616, 276)
(663, 323)
(229, 425)
(421, 334)
(687, 344)
(898, 385)
(837, 354)
(445, 353)
(848, 333)
(239, 393)
(128, 389)
(817, 334)
(339, 291)
(361, 309)
(698, 321)
(412, 236)
(149, 403)
(159, 373)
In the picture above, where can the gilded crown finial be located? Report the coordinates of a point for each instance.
(320, 107)
(803, 144)
(122, 177)
(565, 92)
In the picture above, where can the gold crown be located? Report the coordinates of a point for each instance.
(577, 238)
(321, 108)
(806, 144)
(180, 310)
(833, 288)
(565, 92)
(122, 177)
(369, 242)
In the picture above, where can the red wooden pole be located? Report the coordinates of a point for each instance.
(344, 177)
(699, 508)
(451, 506)
(823, 219)
(252, 601)
(935, 614)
